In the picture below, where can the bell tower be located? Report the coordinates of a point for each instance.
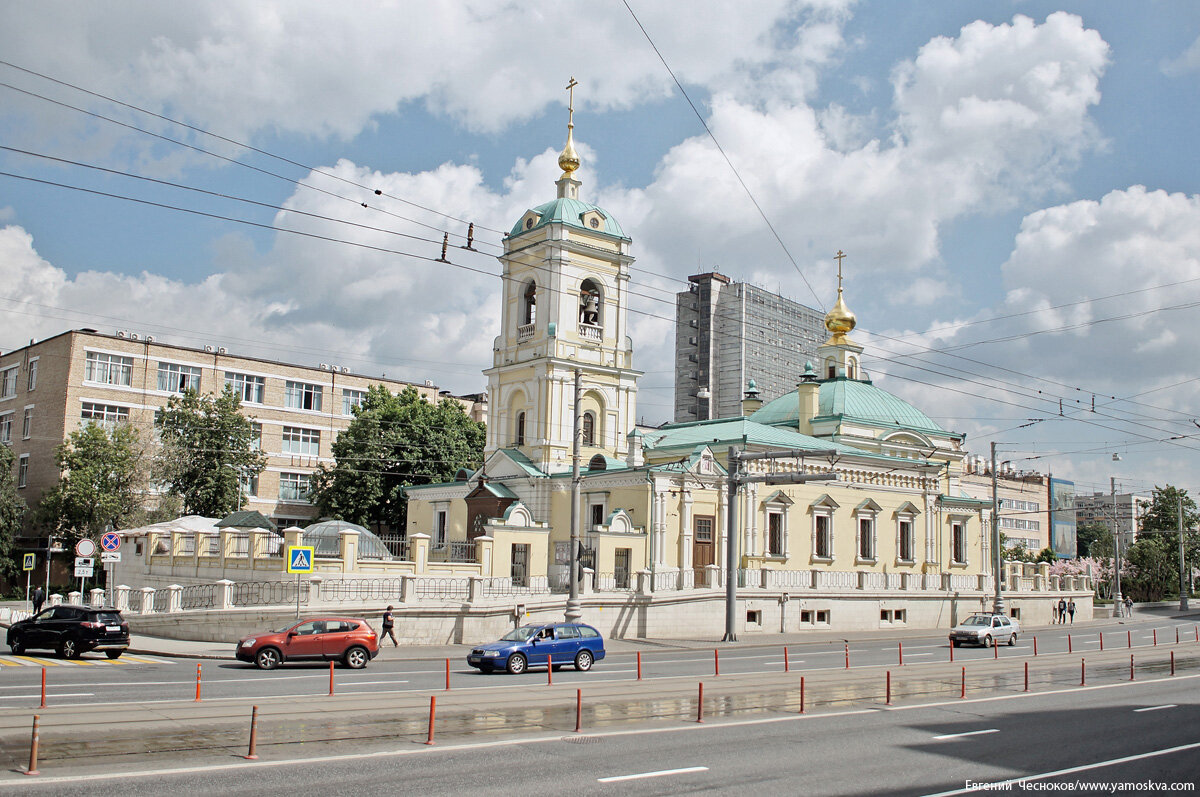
(565, 290)
(840, 356)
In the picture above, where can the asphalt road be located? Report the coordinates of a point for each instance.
(1141, 732)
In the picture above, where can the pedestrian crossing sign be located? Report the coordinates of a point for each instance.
(29, 560)
(300, 559)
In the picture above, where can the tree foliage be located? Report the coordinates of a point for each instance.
(207, 447)
(393, 442)
(1086, 534)
(1152, 571)
(103, 479)
(12, 512)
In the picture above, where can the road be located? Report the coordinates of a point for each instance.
(1131, 732)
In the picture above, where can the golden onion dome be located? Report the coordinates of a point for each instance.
(568, 159)
(840, 320)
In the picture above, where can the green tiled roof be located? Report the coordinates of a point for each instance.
(246, 519)
(727, 431)
(852, 400)
(570, 212)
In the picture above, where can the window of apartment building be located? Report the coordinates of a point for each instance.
(293, 487)
(23, 470)
(255, 436)
(250, 389)
(352, 399)
(249, 485)
(8, 382)
(906, 545)
(302, 396)
(175, 378)
(33, 366)
(958, 542)
(108, 369)
(823, 535)
(6, 421)
(776, 533)
(597, 513)
(102, 414)
(306, 442)
(27, 424)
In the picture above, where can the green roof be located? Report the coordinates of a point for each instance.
(246, 519)
(570, 212)
(850, 399)
(729, 431)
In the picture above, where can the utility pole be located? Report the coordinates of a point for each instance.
(1183, 579)
(736, 479)
(1118, 606)
(574, 612)
(998, 555)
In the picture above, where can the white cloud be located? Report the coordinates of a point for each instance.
(1187, 61)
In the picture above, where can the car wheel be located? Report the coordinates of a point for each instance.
(357, 657)
(113, 654)
(517, 663)
(18, 647)
(1012, 640)
(583, 660)
(68, 649)
(267, 659)
(987, 641)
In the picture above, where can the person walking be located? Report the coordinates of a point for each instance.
(1128, 606)
(1062, 610)
(387, 628)
(39, 597)
(1071, 611)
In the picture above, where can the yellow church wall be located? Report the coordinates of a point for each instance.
(539, 548)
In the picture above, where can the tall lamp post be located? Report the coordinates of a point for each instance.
(997, 554)
(574, 611)
(1118, 605)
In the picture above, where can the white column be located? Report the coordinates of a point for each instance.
(749, 519)
(685, 531)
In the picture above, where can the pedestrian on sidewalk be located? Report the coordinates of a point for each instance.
(39, 597)
(1128, 606)
(387, 628)
(1071, 611)
(1062, 611)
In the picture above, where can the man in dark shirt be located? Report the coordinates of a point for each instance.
(387, 628)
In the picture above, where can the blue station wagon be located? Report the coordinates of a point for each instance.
(530, 645)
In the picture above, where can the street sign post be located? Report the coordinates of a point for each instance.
(110, 545)
(27, 563)
(110, 556)
(300, 560)
(85, 547)
(84, 567)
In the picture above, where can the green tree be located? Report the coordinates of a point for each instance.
(1047, 554)
(102, 483)
(1154, 558)
(12, 512)
(1086, 534)
(393, 442)
(208, 446)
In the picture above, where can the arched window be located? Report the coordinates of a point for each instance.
(588, 429)
(520, 428)
(590, 304)
(852, 368)
(830, 368)
(529, 303)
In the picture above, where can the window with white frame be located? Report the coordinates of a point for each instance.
(906, 544)
(306, 442)
(32, 383)
(866, 537)
(293, 486)
(255, 436)
(776, 532)
(249, 484)
(108, 369)
(175, 378)
(106, 415)
(440, 518)
(958, 542)
(27, 424)
(352, 399)
(589, 429)
(23, 470)
(520, 429)
(597, 510)
(250, 389)
(302, 396)
(6, 422)
(8, 381)
(823, 534)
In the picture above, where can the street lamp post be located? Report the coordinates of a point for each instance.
(998, 555)
(574, 611)
(1118, 605)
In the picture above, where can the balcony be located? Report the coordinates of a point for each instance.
(524, 332)
(590, 332)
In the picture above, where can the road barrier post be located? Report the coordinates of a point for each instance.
(1027, 676)
(951, 651)
(995, 648)
(578, 710)
(1101, 641)
(900, 653)
(549, 669)
(700, 704)
(1069, 648)
(1131, 666)
(716, 663)
(888, 702)
(432, 717)
(43, 705)
(331, 679)
(251, 753)
(447, 675)
(1176, 635)
(1035, 646)
(962, 693)
(639, 660)
(1082, 672)
(801, 694)
(1155, 631)
(1129, 640)
(33, 750)
(847, 655)
(197, 683)
(785, 659)
(1172, 662)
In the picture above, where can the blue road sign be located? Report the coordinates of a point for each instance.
(300, 559)
(28, 561)
(111, 541)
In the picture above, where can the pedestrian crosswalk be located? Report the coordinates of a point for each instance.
(26, 660)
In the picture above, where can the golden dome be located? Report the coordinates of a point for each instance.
(568, 159)
(840, 320)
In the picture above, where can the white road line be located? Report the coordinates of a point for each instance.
(1155, 708)
(919, 654)
(660, 773)
(967, 733)
(48, 696)
(365, 683)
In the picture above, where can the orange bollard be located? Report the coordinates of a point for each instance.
(432, 717)
(888, 702)
(1172, 662)
(1176, 635)
(1026, 676)
(847, 655)
(331, 679)
(549, 670)
(1101, 641)
(251, 754)
(1035, 646)
(785, 659)
(700, 704)
(1069, 650)
(1129, 639)
(995, 648)
(447, 675)
(900, 652)
(1155, 637)
(639, 659)
(1082, 672)
(43, 705)
(716, 663)
(33, 750)
(197, 683)
(951, 652)
(578, 709)
(963, 692)
(1131, 666)
(801, 694)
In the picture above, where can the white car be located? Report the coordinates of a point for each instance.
(986, 630)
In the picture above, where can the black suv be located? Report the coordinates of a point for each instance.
(72, 630)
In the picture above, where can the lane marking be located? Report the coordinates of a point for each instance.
(48, 696)
(1155, 708)
(967, 733)
(660, 773)
(372, 683)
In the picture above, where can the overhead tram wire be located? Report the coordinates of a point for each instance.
(235, 142)
(724, 155)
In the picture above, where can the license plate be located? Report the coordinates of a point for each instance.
(112, 629)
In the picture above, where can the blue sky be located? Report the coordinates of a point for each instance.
(993, 171)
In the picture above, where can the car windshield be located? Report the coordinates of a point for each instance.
(977, 621)
(520, 634)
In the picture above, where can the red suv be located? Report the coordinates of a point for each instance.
(347, 639)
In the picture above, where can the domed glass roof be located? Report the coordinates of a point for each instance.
(849, 398)
(326, 538)
(570, 212)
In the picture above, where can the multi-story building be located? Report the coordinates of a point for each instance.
(1122, 512)
(729, 333)
(1035, 510)
(50, 388)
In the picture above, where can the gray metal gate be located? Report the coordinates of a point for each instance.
(520, 564)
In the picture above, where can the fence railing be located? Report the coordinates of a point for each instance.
(453, 551)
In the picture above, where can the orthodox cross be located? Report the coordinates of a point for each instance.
(839, 256)
(571, 102)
